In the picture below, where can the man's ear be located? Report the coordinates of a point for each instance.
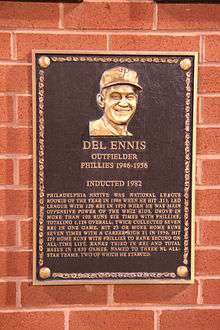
(100, 100)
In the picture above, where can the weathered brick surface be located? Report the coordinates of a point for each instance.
(7, 294)
(153, 43)
(211, 291)
(24, 110)
(190, 319)
(209, 232)
(15, 202)
(208, 262)
(209, 79)
(25, 171)
(32, 320)
(6, 171)
(26, 234)
(8, 82)
(208, 141)
(196, 234)
(15, 263)
(110, 15)
(5, 45)
(188, 16)
(8, 233)
(212, 48)
(15, 140)
(155, 294)
(32, 15)
(6, 113)
(207, 202)
(114, 320)
(210, 111)
(211, 171)
(26, 42)
(63, 295)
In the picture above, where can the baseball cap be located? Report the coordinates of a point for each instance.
(119, 75)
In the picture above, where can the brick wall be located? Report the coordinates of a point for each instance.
(105, 25)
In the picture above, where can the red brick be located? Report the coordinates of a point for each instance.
(211, 171)
(14, 263)
(114, 320)
(198, 115)
(6, 171)
(196, 234)
(207, 262)
(155, 294)
(7, 294)
(212, 48)
(198, 171)
(107, 16)
(166, 43)
(211, 291)
(15, 140)
(5, 45)
(6, 113)
(46, 295)
(26, 42)
(26, 234)
(188, 16)
(210, 112)
(208, 141)
(8, 233)
(25, 171)
(209, 232)
(16, 202)
(190, 319)
(15, 15)
(15, 78)
(24, 110)
(209, 79)
(207, 202)
(32, 320)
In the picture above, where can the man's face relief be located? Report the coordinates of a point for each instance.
(119, 103)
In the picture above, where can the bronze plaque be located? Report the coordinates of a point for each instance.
(114, 167)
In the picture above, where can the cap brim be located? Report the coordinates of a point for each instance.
(122, 82)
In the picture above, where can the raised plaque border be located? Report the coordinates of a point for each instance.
(88, 278)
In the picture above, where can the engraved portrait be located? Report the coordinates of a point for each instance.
(117, 98)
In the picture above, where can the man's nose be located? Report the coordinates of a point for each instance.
(123, 102)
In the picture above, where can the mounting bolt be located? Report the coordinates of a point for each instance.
(44, 62)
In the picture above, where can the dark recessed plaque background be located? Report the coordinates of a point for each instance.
(65, 92)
